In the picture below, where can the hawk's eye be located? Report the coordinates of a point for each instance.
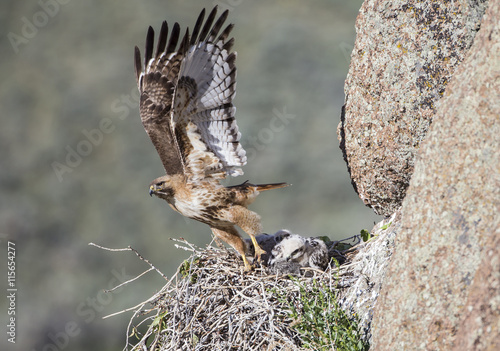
(296, 252)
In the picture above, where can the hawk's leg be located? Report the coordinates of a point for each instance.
(258, 250)
(231, 236)
(218, 242)
(249, 221)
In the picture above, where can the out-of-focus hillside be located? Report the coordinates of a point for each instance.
(76, 163)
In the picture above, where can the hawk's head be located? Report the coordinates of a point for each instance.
(164, 187)
(306, 252)
(291, 248)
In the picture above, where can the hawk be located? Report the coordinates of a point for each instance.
(186, 108)
(303, 252)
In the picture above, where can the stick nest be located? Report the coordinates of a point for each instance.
(211, 304)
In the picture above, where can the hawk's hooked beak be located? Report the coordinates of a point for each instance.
(151, 191)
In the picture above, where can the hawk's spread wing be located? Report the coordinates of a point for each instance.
(186, 99)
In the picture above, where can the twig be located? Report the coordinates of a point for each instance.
(109, 249)
(129, 281)
(149, 263)
(130, 248)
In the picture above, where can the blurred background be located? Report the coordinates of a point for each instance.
(75, 162)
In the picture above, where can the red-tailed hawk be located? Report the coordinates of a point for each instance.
(295, 250)
(186, 108)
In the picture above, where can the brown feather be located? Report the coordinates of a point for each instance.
(184, 43)
(259, 187)
(174, 38)
(223, 36)
(137, 64)
(162, 39)
(264, 187)
(208, 24)
(150, 38)
(197, 27)
(160, 134)
(217, 26)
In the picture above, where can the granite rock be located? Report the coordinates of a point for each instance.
(442, 287)
(404, 55)
(366, 271)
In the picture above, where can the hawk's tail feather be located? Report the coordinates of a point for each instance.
(260, 187)
(264, 187)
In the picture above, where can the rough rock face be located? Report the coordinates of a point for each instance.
(359, 293)
(479, 329)
(404, 55)
(442, 289)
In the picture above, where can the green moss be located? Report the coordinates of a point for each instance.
(319, 320)
(185, 269)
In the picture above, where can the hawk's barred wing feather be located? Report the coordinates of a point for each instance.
(197, 27)
(208, 24)
(155, 107)
(186, 99)
(174, 38)
(162, 40)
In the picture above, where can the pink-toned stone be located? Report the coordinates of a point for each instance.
(442, 288)
(404, 55)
